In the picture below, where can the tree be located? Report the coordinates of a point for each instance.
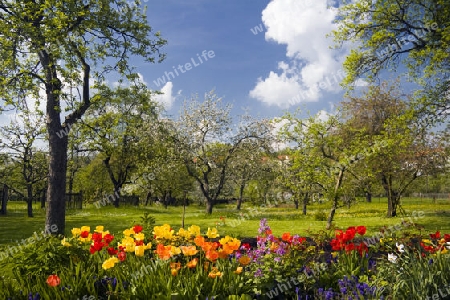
(414, 33)
(93, 180)
(113, 128)
(247, 165)
(160, 171)
(393, 147)
(322, 158)
(55, 48)
(28, 163)
(206, 142)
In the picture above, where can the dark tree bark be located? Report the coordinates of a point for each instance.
(117, 182)
(30, 200)
(368, 196)
(305, 202)
(241, 195)
(339, 179)
(392, 195)
(148, 198)
(209, 206)
(56, 192)
(4, 199)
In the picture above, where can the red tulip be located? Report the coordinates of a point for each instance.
(361, 230)
(137, 228)
(53, 280)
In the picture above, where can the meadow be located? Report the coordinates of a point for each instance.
(244, 223)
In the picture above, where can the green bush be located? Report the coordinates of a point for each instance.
(320, 215)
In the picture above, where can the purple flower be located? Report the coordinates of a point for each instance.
(281, 251)
(258, 273)
(263, 226)
(31, 297)
(329, 294)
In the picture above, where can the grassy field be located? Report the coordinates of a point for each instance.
(433, 216)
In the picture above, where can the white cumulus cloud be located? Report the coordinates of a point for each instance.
(311, 67)
(166, 99)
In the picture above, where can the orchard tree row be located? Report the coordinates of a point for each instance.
(125, 145)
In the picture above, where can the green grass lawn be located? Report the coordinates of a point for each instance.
(436, 216)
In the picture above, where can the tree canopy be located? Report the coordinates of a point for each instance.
(52, 50)
(387, 34)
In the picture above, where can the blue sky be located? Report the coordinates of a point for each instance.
(269, 56)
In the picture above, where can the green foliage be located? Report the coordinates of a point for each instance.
(414, 276)
(148, 221)
(386, 34)
(320, 215)
(44, 256)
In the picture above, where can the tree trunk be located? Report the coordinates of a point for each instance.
(209, 205)
(296, 203)
(368, 196)
(335, 198)
(30, 200)
(117, 189)
(4, 199)
(147, 199)
(56, 191)
(393, 196)
(305, 203)
(166, 199)
(393, 200)
(332, 212)
(241, 195)
(43, 197)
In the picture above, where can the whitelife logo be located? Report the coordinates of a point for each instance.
(168, 75)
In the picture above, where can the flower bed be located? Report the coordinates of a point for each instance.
(164, 264)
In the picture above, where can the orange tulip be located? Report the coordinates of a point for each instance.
(192, 264)
(53, 280)
(163, 251)
(175, 265)
(207, 246)
(238, 270)
(214, 273)
(286, 237)
(244, 260)
(212, 255)
(223, 254)
(199, 240)
(273, 247)
(189, 250)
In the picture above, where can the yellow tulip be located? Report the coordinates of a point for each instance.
(212, 233)
(139, 250)
(109, 263)
(64, 243)
(139, 236)
(194, 230)
(76, 232)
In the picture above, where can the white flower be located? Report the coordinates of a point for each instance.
(400, 248)
(447, 245)
(392, 257)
